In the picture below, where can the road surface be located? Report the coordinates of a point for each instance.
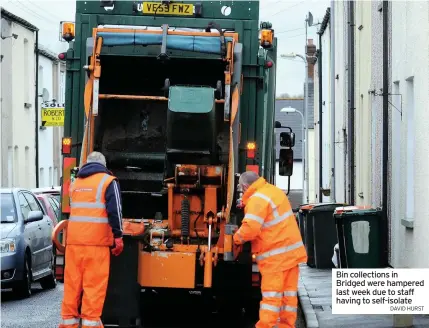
(42, 309)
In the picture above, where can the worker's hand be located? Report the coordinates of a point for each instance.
(119, 247)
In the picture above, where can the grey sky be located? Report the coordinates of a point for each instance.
(287, 17)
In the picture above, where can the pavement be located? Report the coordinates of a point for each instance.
(42, 310)
(315, 298)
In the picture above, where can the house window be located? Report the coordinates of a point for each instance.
(26, 71)
(50, 177)
(62, 87)
(27, 165)
(40, 79)
(16, 167)
(410, 148)
(42, 177)
(9, 167)
(396, 150)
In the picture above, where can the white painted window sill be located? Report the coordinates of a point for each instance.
(408, 223)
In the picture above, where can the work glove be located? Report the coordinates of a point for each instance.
(119, 247)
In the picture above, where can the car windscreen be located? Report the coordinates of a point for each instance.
(8, 210)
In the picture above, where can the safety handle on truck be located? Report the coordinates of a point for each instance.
(60, 227)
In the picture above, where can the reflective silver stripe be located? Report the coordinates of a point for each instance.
(265, 197)
(254, 218)
(290, 293)
(87, 205)
(271, 294)
(70, 322)
(91, 323)
(270, 307)
(278, 219)
(287, 308)
(100, 188)
(279, 251)
(88, 219)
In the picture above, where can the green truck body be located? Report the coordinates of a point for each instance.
(149, 85)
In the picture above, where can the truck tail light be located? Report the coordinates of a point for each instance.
(254, 168)
(66, 146)
(251, 147)
(268, 64)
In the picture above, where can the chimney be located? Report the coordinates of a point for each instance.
(310, 52)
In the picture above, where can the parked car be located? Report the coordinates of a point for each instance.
(54, 191)
(50, 205)
(26, 247)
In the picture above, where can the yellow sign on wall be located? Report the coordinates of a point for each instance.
(52, 114)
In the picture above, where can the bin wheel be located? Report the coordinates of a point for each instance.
(138, 323)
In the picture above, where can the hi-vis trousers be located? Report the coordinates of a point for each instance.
(279, 299)
(87, 270)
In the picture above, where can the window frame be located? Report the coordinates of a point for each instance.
(25, 217)
(40, 208)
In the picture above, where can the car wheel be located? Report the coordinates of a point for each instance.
(23, 288)
(50, 281)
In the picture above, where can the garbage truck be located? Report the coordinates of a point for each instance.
(179, 96)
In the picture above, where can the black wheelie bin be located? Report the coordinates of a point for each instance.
(122, 304)
(321, 218)
(359, 231)
(306, 232)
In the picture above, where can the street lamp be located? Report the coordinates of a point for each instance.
(294, 55)
(304, 143)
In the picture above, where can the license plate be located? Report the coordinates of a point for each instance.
(179, 9)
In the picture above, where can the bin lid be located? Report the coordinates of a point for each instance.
(326, 207)
(342, 209)
(356, 210)
(305, 207)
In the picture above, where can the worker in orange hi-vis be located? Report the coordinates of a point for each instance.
(94, 227)
(270, 225)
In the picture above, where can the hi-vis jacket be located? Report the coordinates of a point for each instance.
(269, 223)
(95, 208)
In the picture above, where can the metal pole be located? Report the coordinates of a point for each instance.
(351, 115)
(332, 120)
(304, 142)
(306, 127)
(305, 158)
